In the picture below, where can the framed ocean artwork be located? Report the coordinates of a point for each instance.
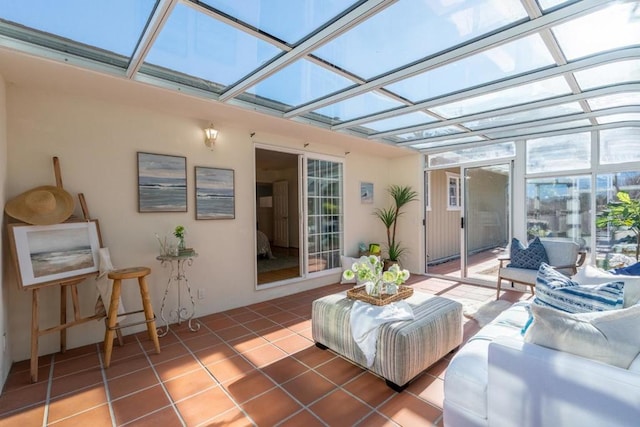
(215, 193)
(162, 183)
(51, 254)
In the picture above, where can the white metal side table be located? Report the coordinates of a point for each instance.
(178, 277)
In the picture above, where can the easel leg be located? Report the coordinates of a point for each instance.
(34, 335)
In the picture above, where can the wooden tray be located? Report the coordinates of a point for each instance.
(360, 293)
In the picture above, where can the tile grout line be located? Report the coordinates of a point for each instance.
(45, 415)
(219, 383)
(106, 386)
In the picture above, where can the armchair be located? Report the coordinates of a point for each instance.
(564, 255)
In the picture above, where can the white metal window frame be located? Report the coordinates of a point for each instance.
(453, 204)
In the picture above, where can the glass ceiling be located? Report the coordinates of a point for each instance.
(422, 74)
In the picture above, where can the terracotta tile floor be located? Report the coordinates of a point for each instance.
(254, 365)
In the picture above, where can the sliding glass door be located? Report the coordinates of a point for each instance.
(325, 217)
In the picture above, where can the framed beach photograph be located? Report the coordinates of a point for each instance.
(48, 254)
(366, 192)
(162, 183)
(215, 193)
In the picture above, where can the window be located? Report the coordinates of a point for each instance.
(552, 153)
(559, 207)
(615, 244)
(474, 154)
(324, 214)
(453, 192)
(619, 145)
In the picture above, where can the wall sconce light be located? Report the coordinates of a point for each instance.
(210, 135)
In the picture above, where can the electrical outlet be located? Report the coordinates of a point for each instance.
(200, 293)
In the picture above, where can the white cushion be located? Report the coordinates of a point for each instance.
(590, 275)
(346, 262)
(609, 336)
(466, 377)
(523, 275)
(561, 252)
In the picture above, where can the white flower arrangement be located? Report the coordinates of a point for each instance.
(368, 270)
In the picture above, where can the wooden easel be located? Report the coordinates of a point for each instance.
(65, 286)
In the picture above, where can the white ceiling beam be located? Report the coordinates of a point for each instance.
(530, 124)
(629, 53)
(155, 24)
(621, 88)
(441, 149)
(516, 32)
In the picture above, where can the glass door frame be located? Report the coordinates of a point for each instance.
(461, 169)
(464, 229)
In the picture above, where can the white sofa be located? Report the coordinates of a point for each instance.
(498, 380)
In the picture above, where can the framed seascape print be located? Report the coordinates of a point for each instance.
(366, 192)
(215, 193)
(48, 254)
(162, 183)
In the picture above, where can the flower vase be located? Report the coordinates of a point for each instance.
(391, 288)
(372, 288)
(181, 244)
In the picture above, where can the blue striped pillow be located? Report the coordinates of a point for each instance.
(555, 290)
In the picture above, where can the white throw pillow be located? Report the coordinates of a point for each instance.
(346, 262)
(607, 336)
(590, 275)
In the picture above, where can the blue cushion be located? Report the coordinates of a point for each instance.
(630, 270)
(530, 257)
(555, 290)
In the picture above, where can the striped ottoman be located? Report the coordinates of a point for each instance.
(404, 349)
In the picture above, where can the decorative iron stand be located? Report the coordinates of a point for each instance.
(177, 276)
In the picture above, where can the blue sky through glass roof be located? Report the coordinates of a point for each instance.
(402, 121)
(200, 46)
(288, 20)
(613, 27)
(410, 30)
(299, 83)
(89, 23)
(359, 106)
(609, 74)
(513, 58)
(525, 116)
(512, 96)
(615, 100)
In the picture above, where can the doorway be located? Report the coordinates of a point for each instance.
(467, 221)
(277, 220)
(485, 231)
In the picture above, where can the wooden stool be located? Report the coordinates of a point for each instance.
(112, 319)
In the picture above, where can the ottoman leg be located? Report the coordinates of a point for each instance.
(395, 387)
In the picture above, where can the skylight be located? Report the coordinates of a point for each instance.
(412, 73)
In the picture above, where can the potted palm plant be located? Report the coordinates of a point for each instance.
(401, 195)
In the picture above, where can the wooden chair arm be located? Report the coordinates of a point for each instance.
(582, 255)
(503, 259)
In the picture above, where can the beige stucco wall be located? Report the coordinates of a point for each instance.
(96, 142)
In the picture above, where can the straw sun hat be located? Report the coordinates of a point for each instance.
(43, 205)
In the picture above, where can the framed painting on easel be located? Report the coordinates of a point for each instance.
(52, 254)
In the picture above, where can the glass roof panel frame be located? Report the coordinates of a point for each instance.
(519, 30)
